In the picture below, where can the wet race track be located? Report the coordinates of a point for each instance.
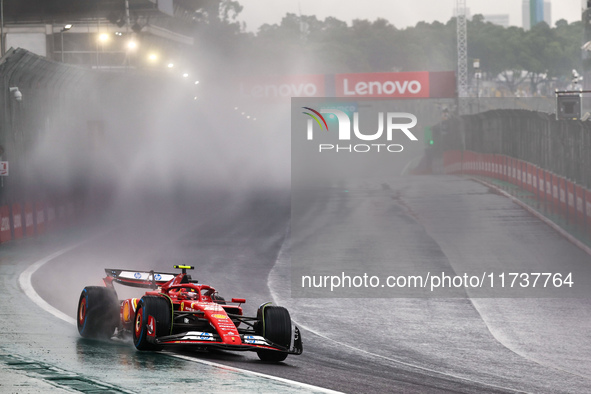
(412, 345)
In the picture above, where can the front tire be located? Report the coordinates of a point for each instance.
(98, 312)
(153, 318)
(275, 324)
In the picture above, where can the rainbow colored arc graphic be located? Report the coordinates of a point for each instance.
(315, 118)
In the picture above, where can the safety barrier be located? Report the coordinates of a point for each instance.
(39, 218)
(560, 146)
(560, 195)
(17, 221)
(51, 217)
(29, 221)
(5, 232)
(36, 218)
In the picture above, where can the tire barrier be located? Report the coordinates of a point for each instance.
(558, 194)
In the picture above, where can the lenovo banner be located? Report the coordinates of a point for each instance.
(396, 85)
(422, 84)
(286, 86)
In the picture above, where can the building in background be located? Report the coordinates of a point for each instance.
(548, 13)
(536, 11)
(498, 19)
(525, 15)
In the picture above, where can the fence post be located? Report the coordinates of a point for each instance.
(552, 199)
(585, 217)
(538, 186)
(565, 198)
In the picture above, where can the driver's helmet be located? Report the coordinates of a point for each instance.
(192, 295)
(189, 294)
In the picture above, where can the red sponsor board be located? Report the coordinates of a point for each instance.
(538, 182)
(511, 170)
(547, 186)
(17, 220)
(580, 195)
(39, 217)
(491, 165)
(587, 207)
(542, 184)
(520, 172)
(472, 163)
(51, 215)
(530, 177)
(549, 190)
(562, 195)
(287, 86)
(5, 234)
(29, 222)
(407, 85)
(499, 166)
(556, 193)
(570, 200)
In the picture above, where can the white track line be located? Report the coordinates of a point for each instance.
(261, 375)
(537, 214)
(25, 284)
(405, 169)
(562, 232)
(393, 360)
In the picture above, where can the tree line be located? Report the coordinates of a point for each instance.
(305, 44)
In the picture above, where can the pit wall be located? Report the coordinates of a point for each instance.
(554, 193)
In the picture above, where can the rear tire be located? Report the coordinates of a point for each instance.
(276, 328)
(160, 310)
(98, 312)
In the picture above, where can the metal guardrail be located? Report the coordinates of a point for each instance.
(562, 147)
(56, 99)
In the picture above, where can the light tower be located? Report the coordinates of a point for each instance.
(462, 75)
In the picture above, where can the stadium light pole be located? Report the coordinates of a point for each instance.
(477, 75)
(1, 27)
(65, 28)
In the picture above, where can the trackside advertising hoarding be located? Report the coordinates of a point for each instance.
(283, 86)
(421, 84)
(391, 85)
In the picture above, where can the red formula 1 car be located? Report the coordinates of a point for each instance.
(180, 311)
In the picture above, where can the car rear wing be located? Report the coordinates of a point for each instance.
(144, 279)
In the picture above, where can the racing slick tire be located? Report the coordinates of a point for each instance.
(144, 334)
(98, 312)
(276, 327)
